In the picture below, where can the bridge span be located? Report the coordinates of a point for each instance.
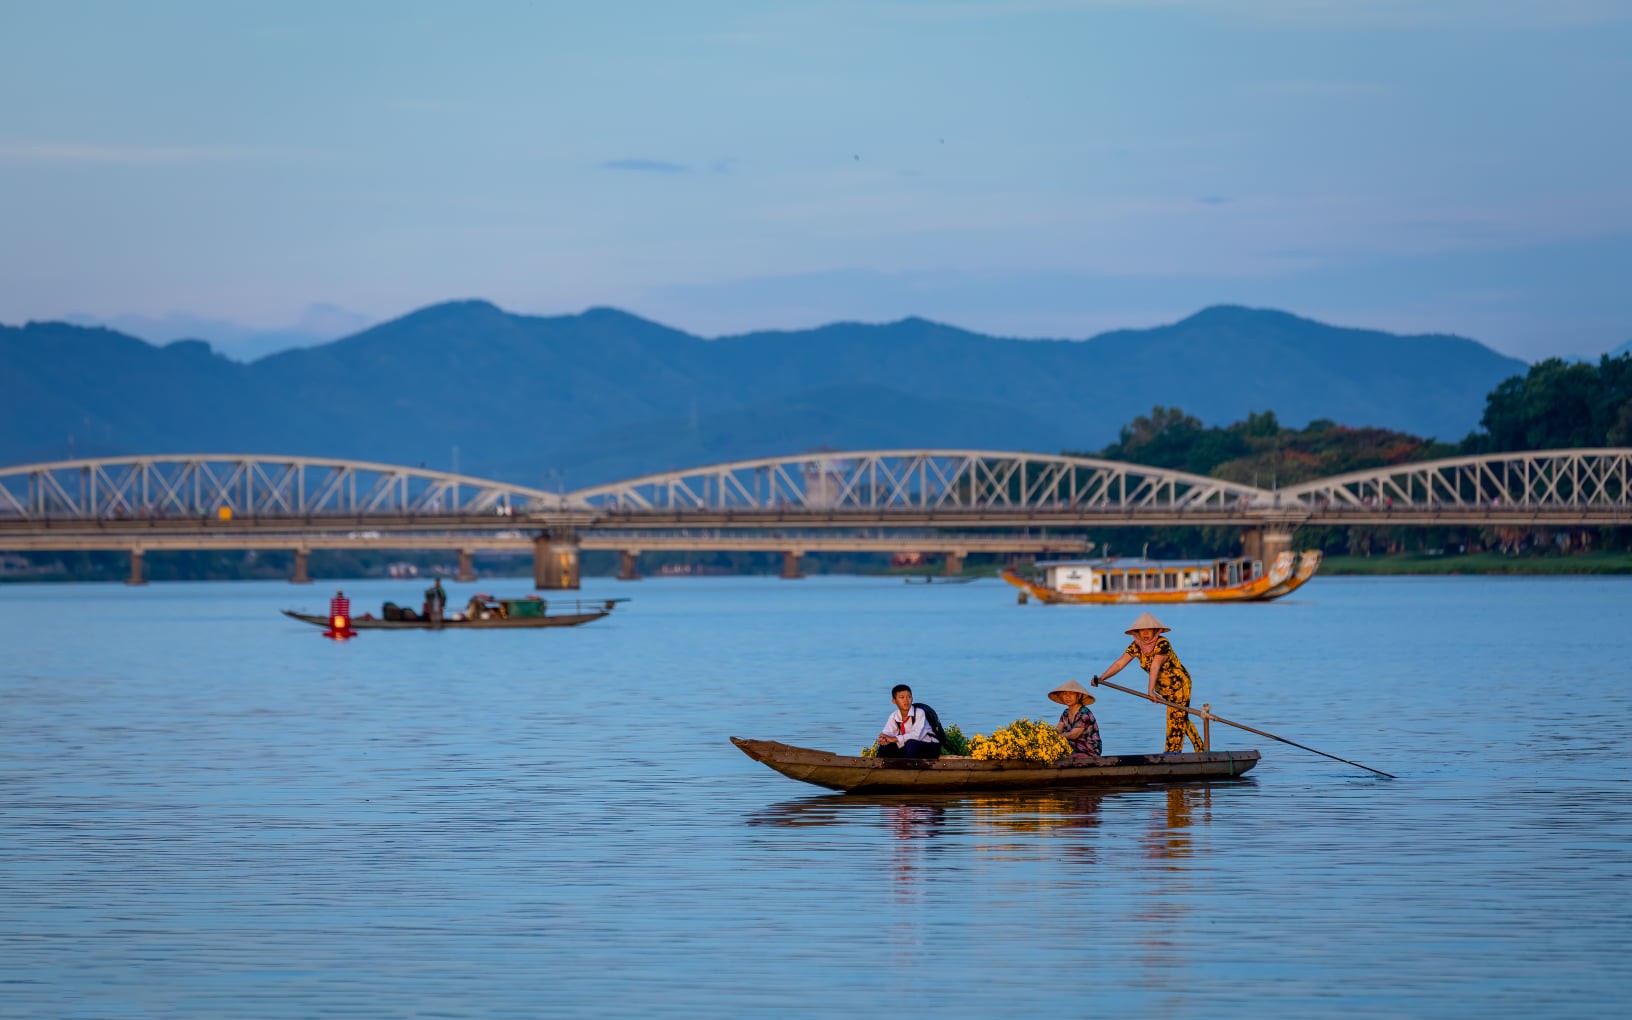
(947, 502)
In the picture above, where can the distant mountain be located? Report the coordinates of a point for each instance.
(319, 324)
(569, 401)
(1625, 348)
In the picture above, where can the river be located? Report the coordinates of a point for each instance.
(208, 810)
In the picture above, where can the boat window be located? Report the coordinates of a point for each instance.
(1113, 582)
(1170, 579)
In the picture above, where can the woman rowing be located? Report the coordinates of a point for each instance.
(1169, 680)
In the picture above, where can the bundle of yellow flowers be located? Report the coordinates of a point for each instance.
(1028, 739)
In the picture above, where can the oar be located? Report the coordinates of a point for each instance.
(1097, 682)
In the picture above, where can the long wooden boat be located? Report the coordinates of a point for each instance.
(501, 614)
(1122, 581)
(893, 775)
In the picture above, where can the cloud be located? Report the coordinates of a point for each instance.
(650, 166)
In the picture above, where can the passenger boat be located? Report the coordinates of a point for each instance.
(948, 774)
(1115, 581)
(483, 613)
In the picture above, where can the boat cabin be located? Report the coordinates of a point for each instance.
(1136, 574)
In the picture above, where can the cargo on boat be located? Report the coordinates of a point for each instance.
(947, 774)
(482, 613)
(1120, 581)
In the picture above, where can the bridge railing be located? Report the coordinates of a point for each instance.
(918, 480)
(1597, 478)
(210, 485)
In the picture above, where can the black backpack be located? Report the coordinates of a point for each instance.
(934, 722)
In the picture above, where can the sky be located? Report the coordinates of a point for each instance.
(1023, 168)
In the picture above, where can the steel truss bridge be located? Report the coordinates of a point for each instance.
(948, 502)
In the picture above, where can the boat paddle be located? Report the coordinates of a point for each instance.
(1097, 682)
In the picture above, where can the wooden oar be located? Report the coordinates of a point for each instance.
(1097, 682)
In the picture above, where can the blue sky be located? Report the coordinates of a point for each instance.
(1033, 168)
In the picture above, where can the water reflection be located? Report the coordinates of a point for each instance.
(1168, 836)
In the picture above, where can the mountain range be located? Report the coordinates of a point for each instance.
(569, 401)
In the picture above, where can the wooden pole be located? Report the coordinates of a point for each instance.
(1208, 715)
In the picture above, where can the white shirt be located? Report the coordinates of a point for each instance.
(914, 727)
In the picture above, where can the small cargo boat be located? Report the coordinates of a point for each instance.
(483, 613)
(854, 774)
(1123, 581)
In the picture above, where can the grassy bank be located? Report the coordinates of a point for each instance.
(1481, 563)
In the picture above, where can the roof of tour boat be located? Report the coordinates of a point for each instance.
(1134, 563)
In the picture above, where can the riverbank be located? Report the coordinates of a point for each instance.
(1480, 563)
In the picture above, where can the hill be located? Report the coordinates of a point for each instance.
(567, 401)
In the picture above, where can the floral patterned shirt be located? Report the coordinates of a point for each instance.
(1087, 742)
(1173, 682)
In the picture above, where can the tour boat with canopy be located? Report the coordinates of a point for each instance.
(1138, 580)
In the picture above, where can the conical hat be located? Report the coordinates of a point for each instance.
(1073, 686)
(1148, 622)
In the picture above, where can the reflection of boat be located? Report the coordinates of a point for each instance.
(880, 775)
(1039, 808)
(485, 612)
(941, 579)
(1112, 581)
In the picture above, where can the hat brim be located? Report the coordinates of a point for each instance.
(1087, 699)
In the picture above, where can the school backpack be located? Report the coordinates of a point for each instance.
(934, 722)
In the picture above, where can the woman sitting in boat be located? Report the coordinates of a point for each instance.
(907, 733)
(1169, 680)
(1077, 724)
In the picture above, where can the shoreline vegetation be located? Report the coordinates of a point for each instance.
(1397, 564)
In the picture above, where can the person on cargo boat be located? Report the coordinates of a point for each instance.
(1169, 680)
(907, 733)
(1077, 724)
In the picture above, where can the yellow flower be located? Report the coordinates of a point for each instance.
(1024, 739)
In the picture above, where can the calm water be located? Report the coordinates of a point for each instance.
(209, 811)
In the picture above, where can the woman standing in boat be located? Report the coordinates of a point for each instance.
(1077, 724)
(1169, 680)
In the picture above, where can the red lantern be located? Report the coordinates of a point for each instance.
(339, 618)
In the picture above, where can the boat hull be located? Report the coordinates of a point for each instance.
(1307, 565)
(895, 775)
(520, 623)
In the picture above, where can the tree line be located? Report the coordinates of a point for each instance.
(1555, 405)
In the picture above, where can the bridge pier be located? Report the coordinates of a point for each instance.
(1264, 544)
(467, 570)
(629, 565)
(555, 560)
(135, 566)
(954, 563)
(302, 574)
(790, 565)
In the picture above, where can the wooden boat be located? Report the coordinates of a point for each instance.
(892, 775)
(493, 614)
(1120, 581)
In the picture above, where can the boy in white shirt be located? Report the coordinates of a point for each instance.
(907, 733)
